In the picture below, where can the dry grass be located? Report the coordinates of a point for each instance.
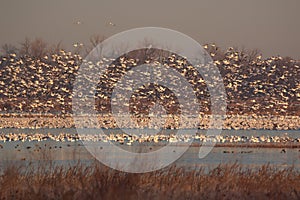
(99, 182)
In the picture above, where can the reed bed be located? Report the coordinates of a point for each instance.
(99, 182)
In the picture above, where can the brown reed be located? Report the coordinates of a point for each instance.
(99, 182)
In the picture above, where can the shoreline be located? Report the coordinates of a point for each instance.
(218, 145)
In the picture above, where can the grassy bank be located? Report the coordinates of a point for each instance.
(99, 182)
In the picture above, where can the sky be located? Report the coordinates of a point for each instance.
(272, 26)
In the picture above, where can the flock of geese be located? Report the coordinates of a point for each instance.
(254, 86)
(231, 122)
(125, 139)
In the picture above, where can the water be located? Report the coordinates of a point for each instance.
(68, 153)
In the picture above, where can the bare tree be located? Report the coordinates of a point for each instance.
(25, 47)
(94, 41)
(55, 48)
(246, 56)
(9, 49)
(38, 48)
(253, 54)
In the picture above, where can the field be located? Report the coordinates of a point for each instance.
(99, 182)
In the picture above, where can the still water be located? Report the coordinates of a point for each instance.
(69, 153)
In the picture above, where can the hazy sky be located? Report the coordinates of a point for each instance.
(273, 26)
